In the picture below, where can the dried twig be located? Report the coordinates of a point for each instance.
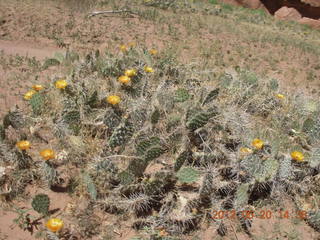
(95, 13)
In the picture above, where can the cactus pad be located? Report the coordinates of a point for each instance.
(41, 203)
(188, 175)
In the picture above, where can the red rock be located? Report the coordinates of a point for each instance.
(311, 22)
(255, 4)
(313, 3)
(286, 13)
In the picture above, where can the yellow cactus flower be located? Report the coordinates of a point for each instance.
(47, 154)
(280, 96)
(148, 70)
(54, 224)
(163, 233)
(29, 94)
(297, 156)
(61, 84)
(113, 99)
(123, 48)
(257, 143)
(245, 150)
(124, 79)
(130, 72)
(153, 52)
(23, 145)
(37, 87)
(132, 44)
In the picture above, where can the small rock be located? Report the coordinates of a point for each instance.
(311, 22)
(313, 3)
(254, 4)
(286, 13)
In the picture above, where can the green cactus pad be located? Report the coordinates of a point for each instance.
(211, 96)
(242, 196)
(153, 153)
(198, 120)
(181, 160)
(145, 144)
(181, 95)
(72, 117)
(188, 175)
(37, 103)
(93, 100)
(121, 135)
(126, 177)
(111, 119)
(155, 116)
(137, 167)
(41, 203)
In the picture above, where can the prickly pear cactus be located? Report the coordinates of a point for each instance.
(188, 175)
(285, 168)
(143, 146)
(93, 100)
(121, 134)
(242, 196)
(106, 166)
(181, 95)
(181, 160)
(23, 159)
(137, 167)
(2, 133)
(153, 153)
(111, 119)
(41, 203)
(207, 188)
(126, 177)
(37, 103)
(155, 116)
(72, 117)
(198, 120)
(211, 96)
(14, 118)
(313, 219)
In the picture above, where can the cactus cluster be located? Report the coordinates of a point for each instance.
(166, 156)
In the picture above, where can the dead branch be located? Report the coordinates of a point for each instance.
(95, 13)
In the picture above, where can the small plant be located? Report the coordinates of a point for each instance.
(41, 203)
(25, 221)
